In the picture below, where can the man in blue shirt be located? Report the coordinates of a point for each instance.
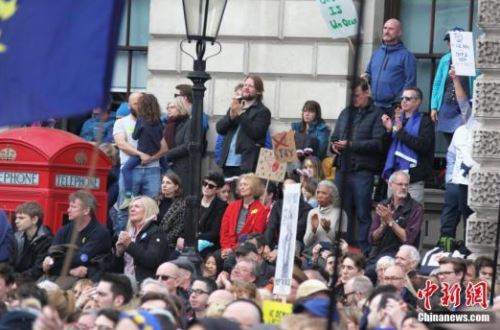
(391, 69)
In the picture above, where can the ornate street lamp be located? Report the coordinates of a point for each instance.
(203, 19)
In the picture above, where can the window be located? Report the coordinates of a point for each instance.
(130, 71)
(425, 23)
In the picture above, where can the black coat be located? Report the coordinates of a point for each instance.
(254, 123)
(178, 155)
(423, 145)
(209, 224)
(149, 251)
(368, 140)
(273, 226)
(30, 254)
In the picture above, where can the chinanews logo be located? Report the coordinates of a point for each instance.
(451, 297)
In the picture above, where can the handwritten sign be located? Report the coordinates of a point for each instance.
(268, 168)
(284, 147)
(286, 243)
(273, 311)
(462, 53)
(340, 16)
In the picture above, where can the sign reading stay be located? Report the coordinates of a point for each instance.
(268, 168)
(340, 16)
(284, 147)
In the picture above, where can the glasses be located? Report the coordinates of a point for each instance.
(408, 98)
(209, 185)
(177, 95)
(197, 292)
(164, 277)
(445, 273)
(348, 294)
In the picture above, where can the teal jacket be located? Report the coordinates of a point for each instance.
(440, 81)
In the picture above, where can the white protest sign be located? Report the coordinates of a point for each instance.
(462, 53)
(286, 243)
(340, 16)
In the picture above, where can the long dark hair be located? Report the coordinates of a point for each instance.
(312, 106)
(172, 176)
(149, 109)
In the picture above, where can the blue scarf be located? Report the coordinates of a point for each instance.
(400, 156)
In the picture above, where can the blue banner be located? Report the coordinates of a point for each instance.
(56, 57)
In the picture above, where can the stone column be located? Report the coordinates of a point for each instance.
(484, 189)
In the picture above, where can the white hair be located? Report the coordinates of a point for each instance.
(393, 176)
(384, 262)
(362, 284)
(411, 251)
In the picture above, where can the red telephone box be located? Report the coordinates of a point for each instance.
(45, 165)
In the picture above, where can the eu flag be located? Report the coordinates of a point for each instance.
(56, 57)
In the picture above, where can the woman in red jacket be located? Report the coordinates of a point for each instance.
(243, 216)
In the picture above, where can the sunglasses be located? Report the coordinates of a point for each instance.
(164, 277)
(408, 98)
(209, 185)
(177, 95)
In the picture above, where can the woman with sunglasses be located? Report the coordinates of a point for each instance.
(211, 211)
(141, 248)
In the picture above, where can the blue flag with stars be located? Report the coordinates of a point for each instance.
(56, 57)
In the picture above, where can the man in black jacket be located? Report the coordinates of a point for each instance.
(32, 240)
(244, 129)
(92, 241)
(412, 147)
(360, 149)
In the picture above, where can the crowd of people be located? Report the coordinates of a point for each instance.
(358, 229)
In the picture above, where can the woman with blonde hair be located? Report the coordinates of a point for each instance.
(243, 216)
(141, 248)
(176, 135)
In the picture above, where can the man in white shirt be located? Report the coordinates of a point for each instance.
(146, 178)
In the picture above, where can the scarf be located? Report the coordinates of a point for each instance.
(400, 156)
(169, 132)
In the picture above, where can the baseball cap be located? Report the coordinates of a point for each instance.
(184, 263)
(310, 287)
(316, 306)
(447, 35)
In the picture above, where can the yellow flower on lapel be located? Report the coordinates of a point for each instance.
(254, 211)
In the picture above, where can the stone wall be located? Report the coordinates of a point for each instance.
(284, 41)
(484, 189)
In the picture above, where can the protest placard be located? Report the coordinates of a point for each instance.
(462, 53)
(273, 311)
(268, 168)
(286, 243)
(340, 16)
(284, 147)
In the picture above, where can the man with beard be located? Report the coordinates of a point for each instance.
(146, 177)
(397, 222)
(244, 129)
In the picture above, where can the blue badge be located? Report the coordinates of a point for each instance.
(84, 257)
(143, 236)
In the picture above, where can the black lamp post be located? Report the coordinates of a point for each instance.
(203, 19)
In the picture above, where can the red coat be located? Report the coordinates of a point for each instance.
(255, 222)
